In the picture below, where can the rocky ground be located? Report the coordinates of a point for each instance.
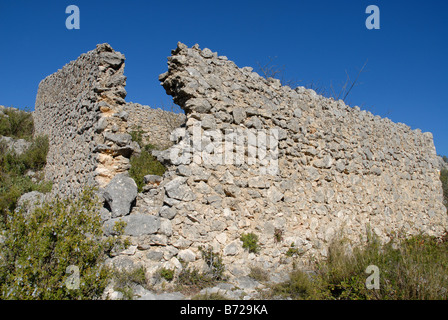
(243, 288)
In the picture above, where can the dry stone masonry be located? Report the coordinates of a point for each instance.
(155, 124)
(251, 156)
(80, 108)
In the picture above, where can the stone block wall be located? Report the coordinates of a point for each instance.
(251, 156)
(340, 169)
(156, 124)
(80, 108)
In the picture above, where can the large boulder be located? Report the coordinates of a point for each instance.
(136, 225)
(120, 194)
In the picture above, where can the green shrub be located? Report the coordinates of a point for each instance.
(191, 277)
(137, 136)
(292, 251)
(299, 286)
(14, 182)
(18, 124)
(214, 263)
(250, 242)
(35, 157)
(125, 280)
(410, 269)
(167, 274)
(39, 247)
(194, 280)
(143, 165)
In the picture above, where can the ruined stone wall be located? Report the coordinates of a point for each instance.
(253, 156)
(80, 108)
(155, 124)
(340, 169)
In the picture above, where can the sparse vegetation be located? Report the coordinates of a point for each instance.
(192, 277)
(342, 91)
(145, 163)
(167, 274)
(292, 251)
(278, 235)
(214, 264)
(209, 296)
(259, 274)
(410, 269)
(17, 124)
(13, 179)
(125, 280)
(250, 242)
(193, 280)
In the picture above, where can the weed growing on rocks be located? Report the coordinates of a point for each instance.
(250, 242)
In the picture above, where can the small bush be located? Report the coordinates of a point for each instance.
(258, 274)
(292, 251)
(13, 181)
(299, 286)
(143, 165)
(35, 156)
(214, 263)
(38, 248)
(18, 124)
(410, 269)
(250, 242)
(167, 274)
(125, 280)
(194, 280)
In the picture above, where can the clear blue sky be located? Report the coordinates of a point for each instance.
(406, 77)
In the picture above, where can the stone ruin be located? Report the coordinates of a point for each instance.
(249, 156)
